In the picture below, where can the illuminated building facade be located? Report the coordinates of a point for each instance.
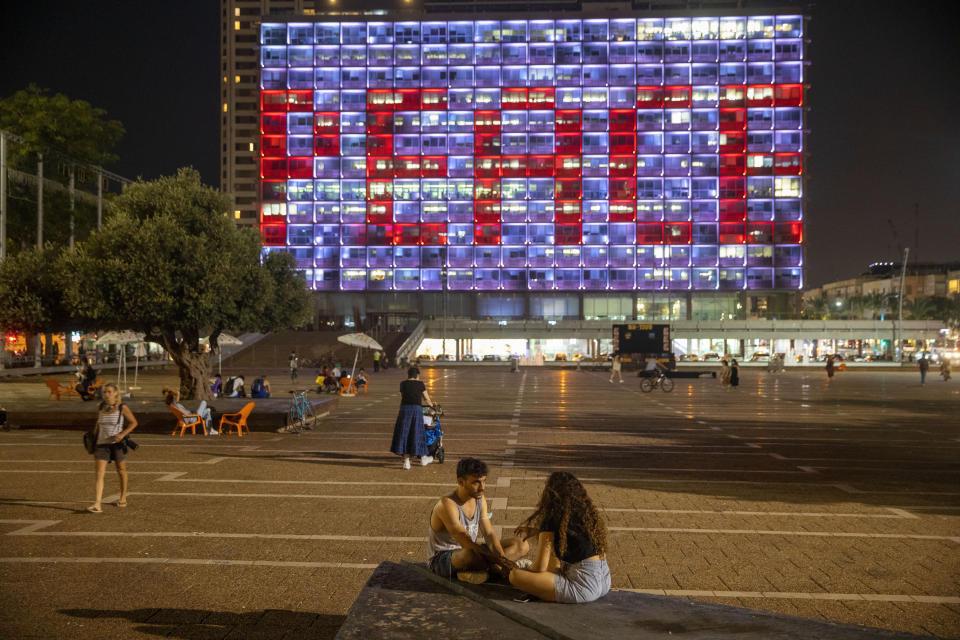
(634, 155)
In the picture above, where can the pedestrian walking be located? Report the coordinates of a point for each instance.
(734, 374)
(924, 365)
(376, 360)
(830, 368)
(115, 421)
(725, 374)
(409, 433)
(294, 365)
(945, 368)
(615, 367)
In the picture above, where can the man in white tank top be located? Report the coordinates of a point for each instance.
(456, 521)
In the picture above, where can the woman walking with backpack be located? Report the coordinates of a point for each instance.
(115, 421)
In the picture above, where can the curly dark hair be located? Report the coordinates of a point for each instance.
(565, 501)
(471, 467)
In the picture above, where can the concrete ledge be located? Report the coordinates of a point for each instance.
(406, 601)
(153, 417)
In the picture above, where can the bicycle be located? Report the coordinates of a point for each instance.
(301, 411)
(649, 384)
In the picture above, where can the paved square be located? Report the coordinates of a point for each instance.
(836, 502)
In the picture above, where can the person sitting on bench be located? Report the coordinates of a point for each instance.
(455, 522)
(571, 564)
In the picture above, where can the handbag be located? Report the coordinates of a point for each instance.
(90, 440)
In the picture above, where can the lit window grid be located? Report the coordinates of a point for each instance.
(749, 239)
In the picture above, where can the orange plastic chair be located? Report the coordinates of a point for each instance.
(347, 386)
(183, 425)
(363, 385)
(238, 420)
(57, 390)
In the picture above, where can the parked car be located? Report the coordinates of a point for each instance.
(492, 357)
(689, 357)
(444, 357)
(469, 357)
(560, 357)
(710, 356)
(759, 355)
(424, 357)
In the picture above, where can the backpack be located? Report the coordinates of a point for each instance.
(257, 386)
(228, 388)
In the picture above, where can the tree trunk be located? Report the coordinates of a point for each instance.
(194, 369)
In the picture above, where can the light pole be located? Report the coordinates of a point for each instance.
(898, 329)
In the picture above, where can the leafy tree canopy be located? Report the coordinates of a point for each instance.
(49, 123)
(31, 292)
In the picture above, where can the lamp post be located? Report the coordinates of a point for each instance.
(898, 328)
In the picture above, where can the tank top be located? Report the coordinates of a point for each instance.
(438, 541)
(109, 425)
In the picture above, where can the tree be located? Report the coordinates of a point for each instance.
(878, 303)
(31, 292)
(816, 308)
(65, 131)
(920, 308)
(170, 263)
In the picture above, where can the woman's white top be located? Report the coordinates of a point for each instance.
(109, 425)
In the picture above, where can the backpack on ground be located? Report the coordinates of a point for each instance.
(257, 387)
(228, 387)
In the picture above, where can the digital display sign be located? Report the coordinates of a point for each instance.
(574, 154)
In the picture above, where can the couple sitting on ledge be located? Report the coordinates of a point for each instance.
(570, 564)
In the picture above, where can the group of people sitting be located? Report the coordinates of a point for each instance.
(333, 380)
(171, 397)
(86, 376)
(569, 565)
(235, 387)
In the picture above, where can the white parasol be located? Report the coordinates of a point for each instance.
(223, 340)
(120, 338)
(360, 341)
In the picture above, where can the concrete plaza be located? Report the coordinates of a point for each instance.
(836, 502)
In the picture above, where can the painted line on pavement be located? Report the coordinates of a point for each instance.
(770, 532)
(897, 514)
(191, 561)
(325, 496)
(788, 595)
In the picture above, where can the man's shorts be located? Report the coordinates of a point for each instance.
(109, 452)
(441, 564)
(582, 582)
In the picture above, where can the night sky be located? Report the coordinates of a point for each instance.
(885, 117)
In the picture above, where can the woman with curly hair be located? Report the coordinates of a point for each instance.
(571, 565)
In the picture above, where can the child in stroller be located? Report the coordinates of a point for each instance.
(431, 422)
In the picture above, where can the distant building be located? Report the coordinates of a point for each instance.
(922, 280)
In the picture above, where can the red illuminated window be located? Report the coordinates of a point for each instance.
(623, 210)
(567, 189)
(379, 122)
(733, 119)
(486, 211)
(380, 212)
(568, 121)
(760, 96)
(676, 97)
(486, 121)
(623, 120)
(649, 97)
(487, 167)
(273, 101)
(733, 142)
(733, 164)
(273, 123)
(731, 233)
(677, 233)
(300, 167)
(379, 234)
(300, 101)
(732, 96)
(407, 167)
(433, 166)
(649, 233)
(790, 164)
(788, 233)
(326, 122)
(623, 143)
(540, 98)
(380, 145)
(788, 95)
(326, 145)
(623, 166)
(514, 98)
(567, 143)
(514, 166)
(486, 189)
(380, 167)
(434, 99)
(273, 167)
(568, 166)
(540, 167)
(381, 99)
(273, 145)
(433, 234)
(623, 189)
(486, 143)
(406, 234)
(379, 189)
(733, 211)
(406, 99)
(568, 211)
(274, 234)
(567, 233)
(486, 234)
(732, 188)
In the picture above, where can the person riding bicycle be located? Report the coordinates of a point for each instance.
(654, 368)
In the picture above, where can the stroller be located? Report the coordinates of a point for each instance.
(431, 420)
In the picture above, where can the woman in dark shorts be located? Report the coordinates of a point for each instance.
(115, 421)
(571, 564)
(409, 434)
